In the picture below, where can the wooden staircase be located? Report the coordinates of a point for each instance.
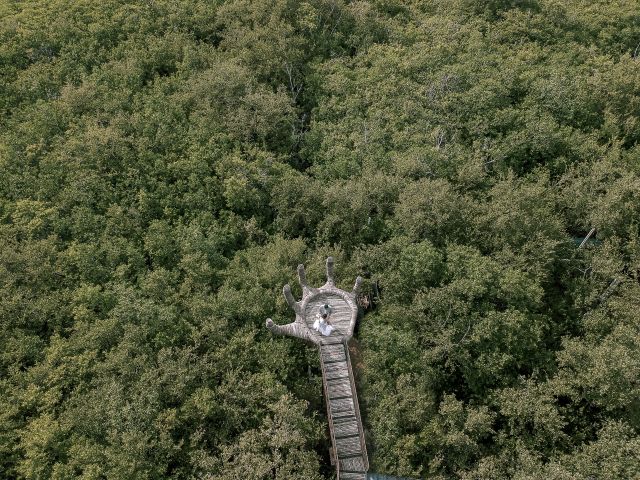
(345, 426)
(349, 452)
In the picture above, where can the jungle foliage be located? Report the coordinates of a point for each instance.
(166, 165)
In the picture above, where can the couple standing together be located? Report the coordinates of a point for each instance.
(321, 323)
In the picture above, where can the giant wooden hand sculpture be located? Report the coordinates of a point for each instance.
(344, 310)
(349, 451)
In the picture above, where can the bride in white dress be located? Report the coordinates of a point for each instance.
(321, 323)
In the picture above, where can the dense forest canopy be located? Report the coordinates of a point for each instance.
(166, 165)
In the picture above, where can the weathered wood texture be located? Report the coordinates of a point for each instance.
(340, 315)
(349, 452)
(344, 310)
(345, 425)
(353, 476)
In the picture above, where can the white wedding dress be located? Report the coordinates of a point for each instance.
(320, 325)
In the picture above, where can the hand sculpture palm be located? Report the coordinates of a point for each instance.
(344, 309)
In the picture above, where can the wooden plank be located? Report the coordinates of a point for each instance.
(332, 339)
(333, 353)
(345, 429)
(352, 476)
(349, 446)
(342, 407)
(339, 388)
(328, 357)
(336, 370)
(333, 348)
(353, 464)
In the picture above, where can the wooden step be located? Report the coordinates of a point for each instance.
(331, 340)
(342, 407)
(352, 476)
(353, 464)
(345, 428)
(336, 370)
(348, 446)
(333, 353)
(339, 388)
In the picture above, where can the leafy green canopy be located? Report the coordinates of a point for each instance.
(166, 165)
